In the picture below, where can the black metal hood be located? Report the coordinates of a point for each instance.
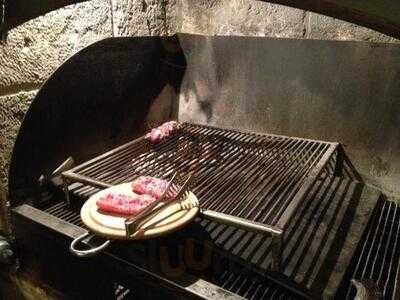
(96, 100)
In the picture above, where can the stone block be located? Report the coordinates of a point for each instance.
(140, 17)
(241, 17)
(36, 48)
(12, 111)
(327, 28)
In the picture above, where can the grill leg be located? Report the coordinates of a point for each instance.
(276, 252)
(66, 191)
(338, 172)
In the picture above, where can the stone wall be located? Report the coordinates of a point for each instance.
(35, 49)
(256, 18)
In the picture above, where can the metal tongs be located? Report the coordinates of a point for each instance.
(177, 188)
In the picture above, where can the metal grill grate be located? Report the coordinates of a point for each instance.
(252, 176)
(377, 256)
(62, 210)
(248, 180)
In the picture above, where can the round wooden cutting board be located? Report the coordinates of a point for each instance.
(167, 220)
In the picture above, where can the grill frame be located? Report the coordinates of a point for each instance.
(278, 152)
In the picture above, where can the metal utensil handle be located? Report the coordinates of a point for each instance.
(89, 252)
(146, 218)
(130, 224)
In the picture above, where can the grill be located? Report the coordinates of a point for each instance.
(250, 180)
(377, 256)
(293, 205)
(376, 253)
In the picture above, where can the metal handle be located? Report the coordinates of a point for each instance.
(132, 224)
(89, 252)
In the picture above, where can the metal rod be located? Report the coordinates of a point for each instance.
(292, 182)
(85, 180)
(239, 222)
(370, 235)
(291, 208)
(66, 190)
(394, 249)
(254, 167)
(107, 154)
(243, 131)
(274, 177)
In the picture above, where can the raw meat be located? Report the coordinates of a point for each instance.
(157, 134)
(168, 127)
(152, 186)
(123, 204)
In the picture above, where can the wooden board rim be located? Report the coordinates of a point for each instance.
(172, 217)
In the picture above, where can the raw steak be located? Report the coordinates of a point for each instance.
(152, 186)
(168, 127)
(123, 204)
(157, 134)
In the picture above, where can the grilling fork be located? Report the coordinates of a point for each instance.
(177, 185)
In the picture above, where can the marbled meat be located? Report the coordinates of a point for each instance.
(124, 204)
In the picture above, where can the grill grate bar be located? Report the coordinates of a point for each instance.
(294, 185)
(270, 188)
(392, 255)
(180, 163)
(114, 161)
(234, 165)
(383, 245)
(376, 235)
(163, 166)
(255, 169)
(54, 208)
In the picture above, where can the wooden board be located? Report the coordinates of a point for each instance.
(169, 219)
